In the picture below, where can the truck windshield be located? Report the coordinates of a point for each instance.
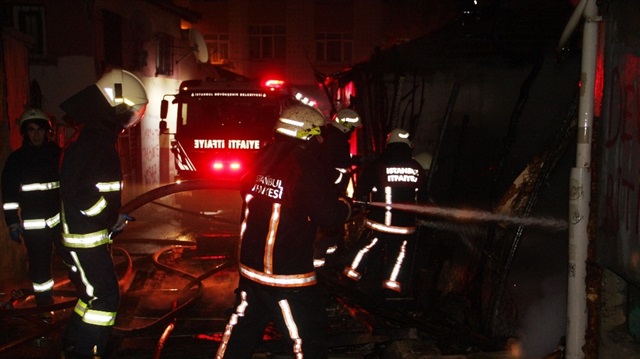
(228, 117)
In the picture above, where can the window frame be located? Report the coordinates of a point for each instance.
(34, 26)
(164, 54)
(334, 47)
(219, 47)
(267, 42)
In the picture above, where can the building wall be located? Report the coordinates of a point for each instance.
(619, 194)
(615, 236)
(373, 23)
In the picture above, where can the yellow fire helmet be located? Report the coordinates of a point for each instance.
(346, 120)
(300, 121)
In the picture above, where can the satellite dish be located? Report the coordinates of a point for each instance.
(198, 46)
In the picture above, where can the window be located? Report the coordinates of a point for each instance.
(30, 20)
(218, 45)
(164, 56)
(334, 47)
(267, 42)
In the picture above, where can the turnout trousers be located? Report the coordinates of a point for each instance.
(298, 313)
(384, 257)
(94, 315)
(40, 244)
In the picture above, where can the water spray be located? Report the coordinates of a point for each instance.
(474, 215)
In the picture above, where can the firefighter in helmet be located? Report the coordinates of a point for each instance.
(337, 149)
(90, 190)
(336, 153)
(287, 195)
(395, 177)
(31, 200)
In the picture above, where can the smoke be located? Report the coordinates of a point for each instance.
(544, 321)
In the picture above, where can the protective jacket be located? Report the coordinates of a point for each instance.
(287, 196)
(92, 185)
(395, 177)
(30, 183)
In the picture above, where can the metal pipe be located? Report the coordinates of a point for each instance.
(571, 24)
(580, 191)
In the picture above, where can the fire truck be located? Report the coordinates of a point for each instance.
(221, 124)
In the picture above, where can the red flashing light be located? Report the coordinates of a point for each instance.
(273, 84)
(232, 166)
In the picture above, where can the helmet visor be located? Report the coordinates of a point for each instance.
(137, 113)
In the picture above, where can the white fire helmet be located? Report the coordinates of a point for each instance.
(122, 87)
(346, 120)
(33, 114)
(424, 159)
(300, 121)
(399, 135)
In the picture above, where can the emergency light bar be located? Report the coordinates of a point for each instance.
(273, 84)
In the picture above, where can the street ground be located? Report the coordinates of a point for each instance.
(177, 268)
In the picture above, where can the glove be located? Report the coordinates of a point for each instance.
(15, 231)
(117, 228)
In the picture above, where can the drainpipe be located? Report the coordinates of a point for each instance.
(580, 184)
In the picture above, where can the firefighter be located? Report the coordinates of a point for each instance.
(287, 196)
(31, 200)
(90, 190)
(395, 177)
(337, 149)
(336, 152)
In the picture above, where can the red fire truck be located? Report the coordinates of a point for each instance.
(220, 124)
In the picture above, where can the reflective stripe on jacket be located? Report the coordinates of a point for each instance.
(90, 188)
(30, 186)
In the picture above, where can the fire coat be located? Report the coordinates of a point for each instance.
(287, 197)
(91, 180)
(30, 184)
(395, 177)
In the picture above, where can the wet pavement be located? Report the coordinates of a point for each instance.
(179, 311)
(177, 274)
